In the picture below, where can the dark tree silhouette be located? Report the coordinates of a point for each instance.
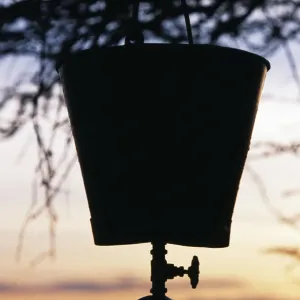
(44, 31)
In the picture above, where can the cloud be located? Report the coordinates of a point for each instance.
(127, 284)
(116, 285)
(221, 283)
(253, 297)
(6, 287)
(84, 286)
(121, 284)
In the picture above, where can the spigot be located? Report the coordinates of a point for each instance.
(192, 272)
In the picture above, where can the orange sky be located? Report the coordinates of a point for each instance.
(84, 271)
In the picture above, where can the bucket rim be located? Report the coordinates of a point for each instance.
(66, 57)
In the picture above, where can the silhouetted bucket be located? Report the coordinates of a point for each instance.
(162, 134)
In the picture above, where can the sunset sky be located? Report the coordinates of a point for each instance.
(84, 271)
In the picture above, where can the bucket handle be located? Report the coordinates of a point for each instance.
(135, 35)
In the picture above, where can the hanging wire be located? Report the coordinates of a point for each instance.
(135, 10)
(135, 34)
(187, 22)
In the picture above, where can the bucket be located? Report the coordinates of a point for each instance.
(162, 133)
